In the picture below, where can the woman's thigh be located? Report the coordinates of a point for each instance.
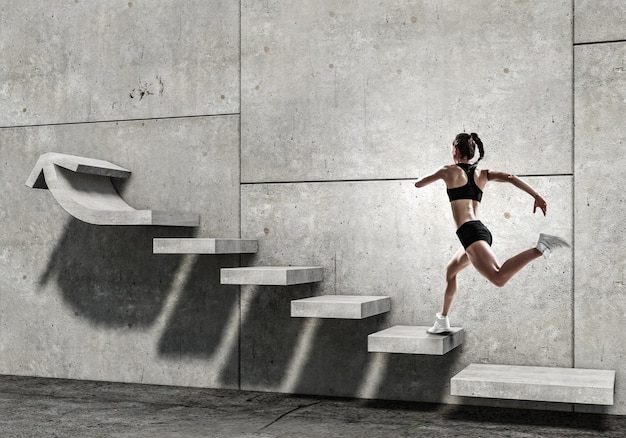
(483, 259)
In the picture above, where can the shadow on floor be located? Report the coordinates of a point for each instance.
(567, 420)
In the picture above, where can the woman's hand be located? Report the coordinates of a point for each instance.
(540, 203)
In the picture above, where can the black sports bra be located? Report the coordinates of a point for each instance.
(469, 190)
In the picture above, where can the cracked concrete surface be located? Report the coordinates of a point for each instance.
(35, 407)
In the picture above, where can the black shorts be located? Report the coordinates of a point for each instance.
(473, 231)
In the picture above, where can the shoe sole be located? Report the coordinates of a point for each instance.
(439, 332)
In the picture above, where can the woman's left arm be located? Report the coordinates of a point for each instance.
(540, 203)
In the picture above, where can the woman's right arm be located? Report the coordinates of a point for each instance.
(435, 176)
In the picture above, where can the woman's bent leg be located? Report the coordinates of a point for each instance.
(483, 259)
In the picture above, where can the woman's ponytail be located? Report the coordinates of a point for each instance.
(478, 143)
(466, 145)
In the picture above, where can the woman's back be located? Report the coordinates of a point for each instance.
(465, 194)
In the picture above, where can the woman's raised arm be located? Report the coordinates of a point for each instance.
(494, 175)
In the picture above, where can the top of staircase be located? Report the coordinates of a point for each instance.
(83, 187)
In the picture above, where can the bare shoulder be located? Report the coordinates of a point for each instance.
(440, 174)
(481, 177)
(450, 172)
(481, 174)
(445, 171)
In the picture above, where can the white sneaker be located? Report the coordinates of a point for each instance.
(442, 325)
(547, 243)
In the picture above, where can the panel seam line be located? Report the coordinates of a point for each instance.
(87, 122)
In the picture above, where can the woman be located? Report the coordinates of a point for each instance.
(465, 184)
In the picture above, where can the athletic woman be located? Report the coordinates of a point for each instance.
(465, 183)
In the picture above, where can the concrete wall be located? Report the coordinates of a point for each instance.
(598, 22)
(371, 89)
(386, 238)
(77, 61)
(341, 107)
(599, 261)
(600, 210)
(142, 85)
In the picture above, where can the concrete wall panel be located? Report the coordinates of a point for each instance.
(378, 89)
(600, 205)
(112, 60)
(599, 21)
(93, 302)
(389, 238)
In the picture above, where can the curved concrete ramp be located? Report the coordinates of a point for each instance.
(83, 187)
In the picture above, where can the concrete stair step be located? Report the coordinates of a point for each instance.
(566, 385)
(340, 306)
(272, 275)
(203, 246)
(414, 340)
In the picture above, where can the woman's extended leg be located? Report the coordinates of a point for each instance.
(483, 259)
(457, 263)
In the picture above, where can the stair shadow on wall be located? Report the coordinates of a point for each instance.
(108, 274)
(418, 377)
(313, 355)
(205, 321)
(342, 366)
(270, 338)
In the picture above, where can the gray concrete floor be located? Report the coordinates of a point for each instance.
(35, 407)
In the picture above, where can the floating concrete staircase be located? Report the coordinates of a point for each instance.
(272, 275)
(414, 340)
(83, 187)
(566, 385)
(203, 246)
(340, 306)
